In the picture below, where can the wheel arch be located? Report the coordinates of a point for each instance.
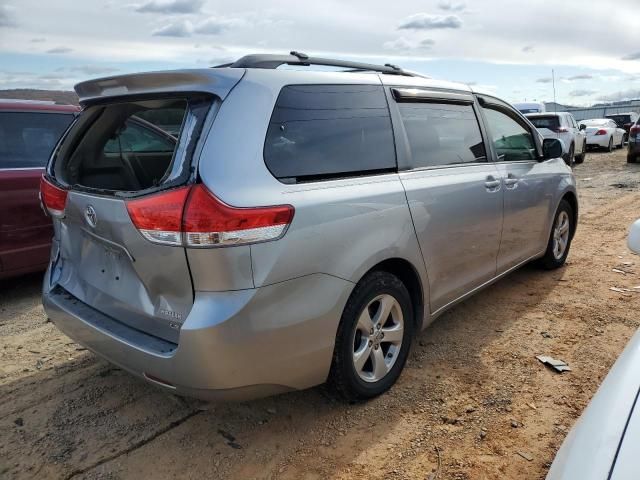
(409, 276)
(572, 199)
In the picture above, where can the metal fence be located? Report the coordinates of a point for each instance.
(601, 112)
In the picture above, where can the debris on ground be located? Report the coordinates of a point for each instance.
(558, 365)
(625, 291)
(526, 456)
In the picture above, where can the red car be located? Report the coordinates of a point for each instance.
(29, 131)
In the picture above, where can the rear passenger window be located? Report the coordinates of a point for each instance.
(329, 131)
(442, 134)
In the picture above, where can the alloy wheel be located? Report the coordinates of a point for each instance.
(377, 338)
(561, 235)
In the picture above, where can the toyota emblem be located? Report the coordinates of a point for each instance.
(90, 216)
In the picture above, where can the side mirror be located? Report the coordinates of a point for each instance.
(552, 148)
(634, 238)
(583, 126)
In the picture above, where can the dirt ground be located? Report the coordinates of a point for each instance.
(472, 403)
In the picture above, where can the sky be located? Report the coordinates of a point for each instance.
(505, 47)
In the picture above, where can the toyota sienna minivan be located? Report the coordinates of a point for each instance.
(245, 230)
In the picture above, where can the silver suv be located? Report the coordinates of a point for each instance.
(246, 230)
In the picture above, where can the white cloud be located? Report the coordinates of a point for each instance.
(582, 76)
(449, 6)
(582, 93)
(425, 21)
(7, 16)
(181, 28)
(60, 50)
(403, 44)
(171, 6)
(528, 48)
(632, 56)
(186, 28)
(217, 25)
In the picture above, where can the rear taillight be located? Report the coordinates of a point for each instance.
(635, 130)
(194, 217)
(601, 132)
(562, 130)
(53, 198)
(159, 217)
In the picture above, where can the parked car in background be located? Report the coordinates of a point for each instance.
(604, 444)
(633, 153)
(530, 107)
(29, 130)
(287, 241)
(603, 133)
(563, 126)
(624, 121)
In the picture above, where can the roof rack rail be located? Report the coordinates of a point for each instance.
(270, 61)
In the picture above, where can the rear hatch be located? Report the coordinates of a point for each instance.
(138, 136)
(547, 125)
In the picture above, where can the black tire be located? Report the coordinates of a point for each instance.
(621, 142)
(343, 377)
(610, 147)
(580, 158)
(571, 155)
(549, 261)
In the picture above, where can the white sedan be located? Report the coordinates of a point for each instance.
(603, 133)
(604, 444)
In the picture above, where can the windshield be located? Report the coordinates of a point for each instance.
(27, 138)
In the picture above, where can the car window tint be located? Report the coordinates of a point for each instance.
(27, 139)
(139, 139)
(511, 140)
(442, 134)
(550, 122)
(329, 131)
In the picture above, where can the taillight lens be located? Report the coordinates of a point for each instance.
(53, 198)
(194, 217)
(635, 130)
(208, 221)
(601, 132)
(562, 130)
(159, 217)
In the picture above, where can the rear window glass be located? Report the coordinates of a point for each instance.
(329, 131)
(132, 146)
(442, 134)
(620, 120)
(27, 138)
(551, 122)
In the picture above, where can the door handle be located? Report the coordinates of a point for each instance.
(492, 184)
(511, 180)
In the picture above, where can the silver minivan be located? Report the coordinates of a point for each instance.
(245, 230)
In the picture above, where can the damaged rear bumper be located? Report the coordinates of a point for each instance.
(233, 345)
